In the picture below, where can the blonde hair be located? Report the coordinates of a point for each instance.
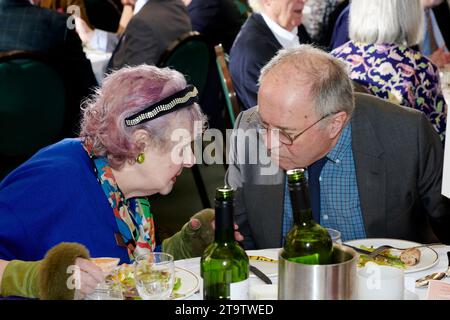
(386, 21)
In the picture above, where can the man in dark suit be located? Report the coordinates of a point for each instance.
(274, 25)
(150, 32)
(374, 168)
(218, 20)
(31, 28)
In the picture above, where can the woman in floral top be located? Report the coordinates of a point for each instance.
(380, 57)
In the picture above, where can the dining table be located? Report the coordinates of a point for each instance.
(411, 292)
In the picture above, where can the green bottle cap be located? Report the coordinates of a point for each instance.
(224, 193)
(295, 175)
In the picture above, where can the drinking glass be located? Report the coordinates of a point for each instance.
(335, 235)
(154, 275)
(107, 290)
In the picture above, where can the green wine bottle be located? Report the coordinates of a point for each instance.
(224, 264)
(307, 242)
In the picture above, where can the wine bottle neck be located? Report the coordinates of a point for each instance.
(224, 228)
(301, 206)
(303, 218)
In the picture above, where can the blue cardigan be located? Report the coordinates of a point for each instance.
(55, 197)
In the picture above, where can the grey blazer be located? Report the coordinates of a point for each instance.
(398, 159)
(150, 32)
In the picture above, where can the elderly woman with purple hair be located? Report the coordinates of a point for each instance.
(88, 196)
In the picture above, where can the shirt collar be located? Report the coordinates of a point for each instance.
(344, 143)
(138, 6)
(285, 37)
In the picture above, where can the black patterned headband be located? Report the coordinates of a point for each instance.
(183, 98)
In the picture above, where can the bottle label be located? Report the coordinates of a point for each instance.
(239, 290)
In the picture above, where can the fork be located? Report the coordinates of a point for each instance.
(380, 249)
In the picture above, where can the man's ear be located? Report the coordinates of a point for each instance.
(337, 123)
(141, 138)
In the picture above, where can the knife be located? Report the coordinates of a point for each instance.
(260, 274)
(361, 250)
(366, 252)
(357, 249)
(424, 281)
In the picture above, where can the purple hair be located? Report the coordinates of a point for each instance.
(126, 92)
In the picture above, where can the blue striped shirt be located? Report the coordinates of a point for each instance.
(339, 196)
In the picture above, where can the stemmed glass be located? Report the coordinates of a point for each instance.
(154, 274)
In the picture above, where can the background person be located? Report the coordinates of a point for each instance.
(273, 25)
(380, 57)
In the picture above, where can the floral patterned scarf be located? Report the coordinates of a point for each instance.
(133, 216)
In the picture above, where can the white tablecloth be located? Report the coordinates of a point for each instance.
(418, 293)
(442, 265)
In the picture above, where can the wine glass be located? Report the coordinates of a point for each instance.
(335, 235)
(154, 274)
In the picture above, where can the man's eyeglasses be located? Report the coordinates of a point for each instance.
(284, 137)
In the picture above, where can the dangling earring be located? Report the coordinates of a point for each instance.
(140, 158)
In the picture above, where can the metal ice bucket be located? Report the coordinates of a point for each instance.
(336, 281)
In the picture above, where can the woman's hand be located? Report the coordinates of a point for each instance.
(52, 277)
(195, 224)
(440, 57)
(194, 236)
(128, 2)
(90, 275)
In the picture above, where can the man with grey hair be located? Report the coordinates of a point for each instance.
(273, 25)
(368, 176)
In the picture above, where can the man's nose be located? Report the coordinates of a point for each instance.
(271, 139)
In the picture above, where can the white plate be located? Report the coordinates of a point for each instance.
(268, 268)
(190, 284)
(428, 258)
